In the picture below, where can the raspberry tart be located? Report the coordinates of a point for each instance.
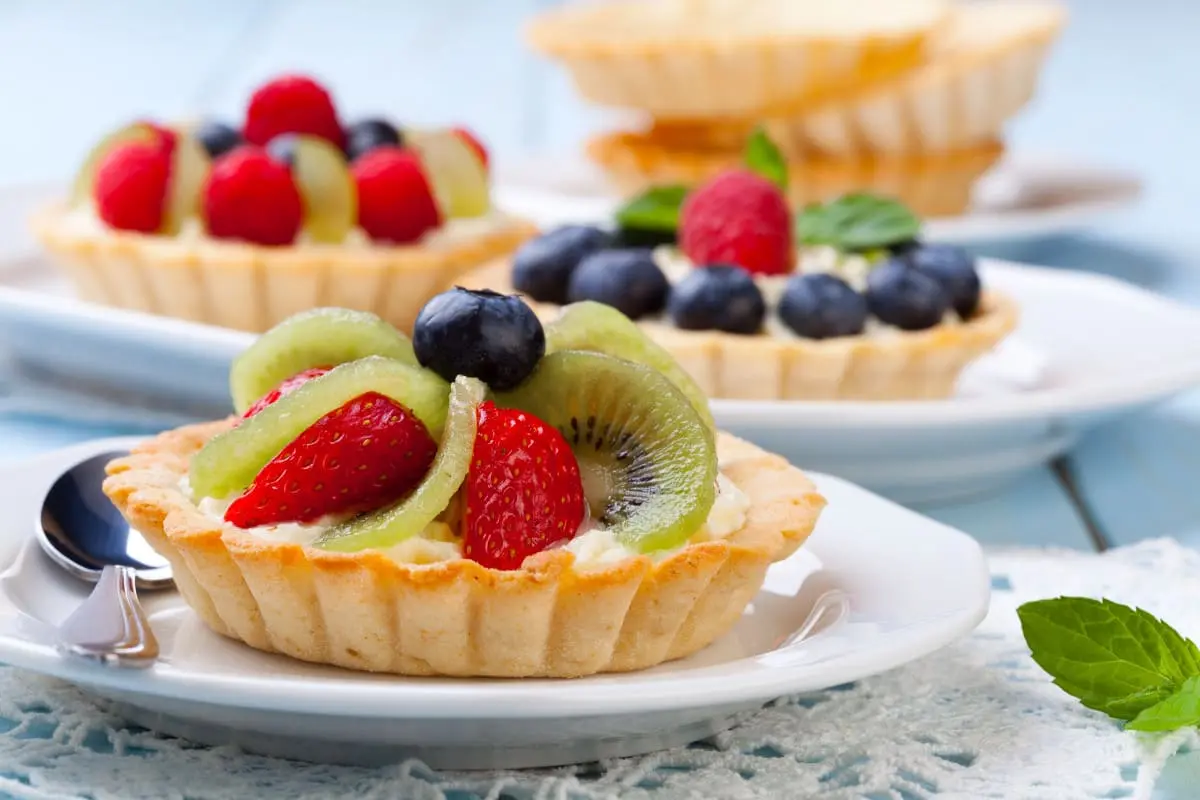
(245, 226)
(842, 302)
(491, 498)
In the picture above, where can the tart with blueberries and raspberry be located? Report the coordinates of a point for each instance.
(244, 226)
(491, 498)
(841, 301)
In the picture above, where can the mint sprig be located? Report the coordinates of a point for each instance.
(1118, 660)
(763, 158)
(654, 210)
(857, 222)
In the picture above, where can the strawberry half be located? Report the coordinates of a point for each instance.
(361, 456)
(286, 387)
(523, 489)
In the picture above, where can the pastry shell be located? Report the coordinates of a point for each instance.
(935, 185)
(983, 72)
(250, 287)
(896, 365)
(365, 611)
(704, 58)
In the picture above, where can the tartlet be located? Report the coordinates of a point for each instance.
(933, 185)
(978, 75)
(244, 226)
(503, 511)
(705, 58)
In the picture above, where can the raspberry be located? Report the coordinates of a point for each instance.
(473, 142)
(395, 201)
(738, 218)
(131, 186)
(251, 197)
(291, 104)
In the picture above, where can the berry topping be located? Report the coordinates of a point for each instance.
(822, 306)
(395, 199)
(542, 268)
(738, 218)
(365, 135)
(368, 452)
(472, 141)
(481, 334)
(627, 280)
(291, 104)
(718, 297)
(287, 387)
(252, 197)
(217, 138)
(523, 489)
(954, 270)
(132, 181)
(83, 188)
(899, 295)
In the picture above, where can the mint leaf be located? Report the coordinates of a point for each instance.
(1180, 710)
(856, 222)
(763, 158)
(656, 209)
(1113, 658)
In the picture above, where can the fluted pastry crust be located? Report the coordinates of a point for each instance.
(365, 611)
(250, 287)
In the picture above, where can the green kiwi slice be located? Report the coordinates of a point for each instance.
(648, 462)
(321, 337)
(229, 461)
(392, 525)
(602, 329)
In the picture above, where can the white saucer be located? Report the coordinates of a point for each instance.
(875, 587)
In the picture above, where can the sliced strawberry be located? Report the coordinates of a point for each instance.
(286, 387)
(523, 489)
(361, 456)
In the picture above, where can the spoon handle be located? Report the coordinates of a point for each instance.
(110, 626)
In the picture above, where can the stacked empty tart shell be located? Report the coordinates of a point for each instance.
(907, 98)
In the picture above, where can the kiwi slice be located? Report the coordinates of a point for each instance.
(325, 183)
(648, 462)
(85, 179)
(599, 328)
(189, 169)
(459, 178)
(319, 337)
(392, 525)
(229, 462)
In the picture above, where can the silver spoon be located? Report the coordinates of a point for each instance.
(81, 532)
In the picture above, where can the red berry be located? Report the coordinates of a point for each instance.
(395, 200)
(250, 196)
(286, 387)
(473, 142)
(524, 492)
(356, 458)
(291, 104)
(738, 218)
(131, 186)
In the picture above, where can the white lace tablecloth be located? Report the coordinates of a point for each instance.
(976, 720)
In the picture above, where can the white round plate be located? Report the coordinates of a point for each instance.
(1023, 197)
(875, 587)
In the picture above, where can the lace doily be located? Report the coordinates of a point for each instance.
(976, 720)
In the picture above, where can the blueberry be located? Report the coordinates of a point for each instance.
(493, 337)
(283, 149)
(822, 306)
(627, 280)
(954, 270)
(365, 135)
(718, 297)
(902, 296)
(217, 138)
(542, 268)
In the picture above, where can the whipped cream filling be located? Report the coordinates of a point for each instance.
(594, 546)
(853, 269)
(84, 221)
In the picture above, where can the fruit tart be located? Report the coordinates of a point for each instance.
(243, 227)
(483, 500)
(841, 302)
